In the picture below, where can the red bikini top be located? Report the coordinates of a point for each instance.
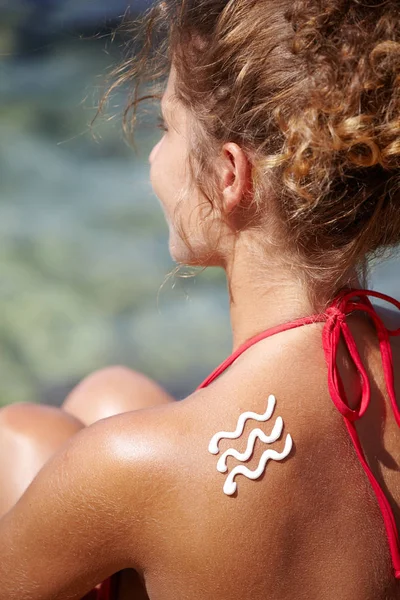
(345, 303)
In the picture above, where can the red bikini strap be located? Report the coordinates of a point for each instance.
(261, 336)
(336, 326)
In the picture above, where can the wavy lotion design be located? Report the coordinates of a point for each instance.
(232, 435)
(256, 433)
(230, 485)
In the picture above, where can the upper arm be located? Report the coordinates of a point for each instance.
(74, 525)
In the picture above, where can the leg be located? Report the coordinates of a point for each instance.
(29, 435)
(112, 391)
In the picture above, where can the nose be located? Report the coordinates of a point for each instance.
(153, 153)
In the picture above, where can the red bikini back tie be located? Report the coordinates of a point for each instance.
(336, 326)
(346, 302)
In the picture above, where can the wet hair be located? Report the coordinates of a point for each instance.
(310, 89)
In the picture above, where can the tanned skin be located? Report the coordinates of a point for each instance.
(138, 492)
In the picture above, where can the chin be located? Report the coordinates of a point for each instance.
(192, 257)
(180, 253)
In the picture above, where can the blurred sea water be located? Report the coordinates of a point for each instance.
(83, 242)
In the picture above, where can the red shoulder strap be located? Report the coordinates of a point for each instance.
(257, 338)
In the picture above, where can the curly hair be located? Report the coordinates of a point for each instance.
(311, 90)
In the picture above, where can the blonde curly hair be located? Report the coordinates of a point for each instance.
(311, 89)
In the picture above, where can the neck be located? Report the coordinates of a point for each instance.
(264, 296)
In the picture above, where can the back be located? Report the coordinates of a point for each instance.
(309, 527)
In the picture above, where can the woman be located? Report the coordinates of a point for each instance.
(279, 477)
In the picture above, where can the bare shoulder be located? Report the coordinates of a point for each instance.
(261, 390)
(96, 492)
(191, 518)
(318, 487)
(390, 317)
(300, 495)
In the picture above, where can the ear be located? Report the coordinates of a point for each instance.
(236, 177)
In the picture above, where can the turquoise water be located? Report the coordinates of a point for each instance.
(83, 243)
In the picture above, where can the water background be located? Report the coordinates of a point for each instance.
(83, 243)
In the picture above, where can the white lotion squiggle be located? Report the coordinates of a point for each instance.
(256, 433)
(213, 446)
(230, 485)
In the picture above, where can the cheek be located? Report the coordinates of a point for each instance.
(166, 173)
(159, 171)
(154, 152)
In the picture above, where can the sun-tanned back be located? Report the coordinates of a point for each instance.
(310, 526)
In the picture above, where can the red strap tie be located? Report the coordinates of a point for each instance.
(336, 326)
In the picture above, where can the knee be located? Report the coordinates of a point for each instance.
(112, 391)
(40, 427)
(30, 434)
(27, 418)
(33, 432)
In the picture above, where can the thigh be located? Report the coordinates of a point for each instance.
(29, 435)
(112, 391)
